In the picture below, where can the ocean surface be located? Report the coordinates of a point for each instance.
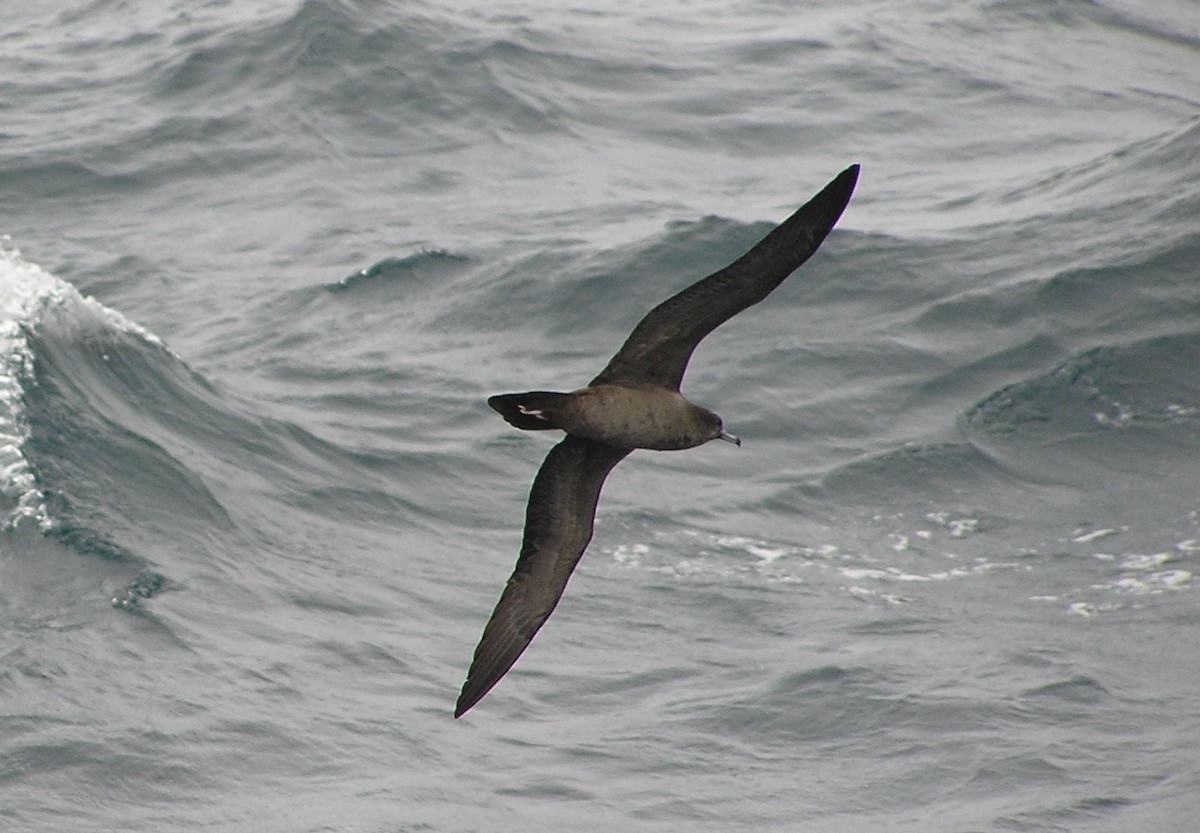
(264, 261)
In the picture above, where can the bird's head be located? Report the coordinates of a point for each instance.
(716, 428)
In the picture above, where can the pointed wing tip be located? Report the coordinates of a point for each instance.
(480, 680)
(470, 695)
(844, 182)
(823, 211)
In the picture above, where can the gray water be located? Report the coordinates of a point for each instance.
(265, 261)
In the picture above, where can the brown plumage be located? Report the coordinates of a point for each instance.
(633, 403)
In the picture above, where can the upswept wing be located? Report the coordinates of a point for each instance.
(558, 527)
(658, 349)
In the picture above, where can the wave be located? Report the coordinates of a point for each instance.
(415, 268)
(1125, 398)
(417, 71)
(112, 446)
(32, 300)
(1105, 439)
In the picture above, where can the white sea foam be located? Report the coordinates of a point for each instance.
(1172, 579)
(1094, 535)
(1145, 561)
(710, 554)
(28, 294)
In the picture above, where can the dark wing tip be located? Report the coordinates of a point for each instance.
(472, 693)
(476, 686)
(835, 196)
(658, 349)
(465, 702)
(558, 527)
(517, 617)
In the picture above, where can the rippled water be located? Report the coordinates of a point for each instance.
(265, 261)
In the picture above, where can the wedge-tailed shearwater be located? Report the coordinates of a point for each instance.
(634, 403)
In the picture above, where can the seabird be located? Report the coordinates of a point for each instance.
(634, 403)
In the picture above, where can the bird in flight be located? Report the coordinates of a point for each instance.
(634, 403)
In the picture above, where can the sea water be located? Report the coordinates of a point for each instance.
(264, 262)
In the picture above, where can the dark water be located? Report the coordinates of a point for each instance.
(250, 540)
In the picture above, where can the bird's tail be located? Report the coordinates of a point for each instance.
(530, 411)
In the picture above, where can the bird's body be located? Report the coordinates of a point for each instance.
(624, 416)
(634, 403)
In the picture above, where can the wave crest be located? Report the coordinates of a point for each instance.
(29, 295)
